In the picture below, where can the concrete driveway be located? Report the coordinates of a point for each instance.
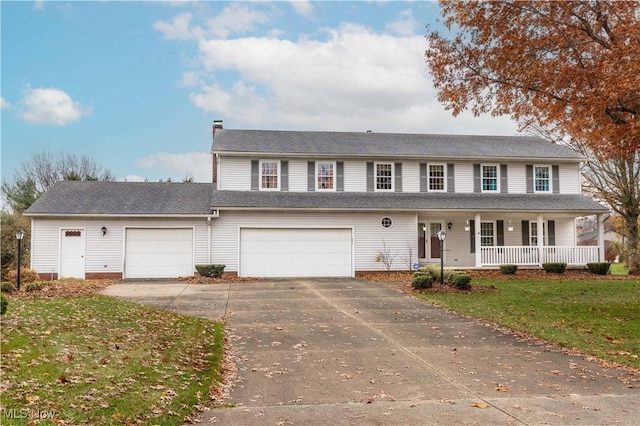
(320, 351)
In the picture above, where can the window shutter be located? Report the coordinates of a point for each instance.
(451, 181)
(423, 177)
(529, 175)
(284, 175)
(555, 174)
(398, 177)
(255, 175)
(551, 229)
(472, 235)
(500, 231)
(339, 176)
(311, 176)
(370, 177)
(503, 179)
(477, 183)
(525, 233)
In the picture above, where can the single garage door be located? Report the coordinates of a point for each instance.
(158, 253)
(295, 252)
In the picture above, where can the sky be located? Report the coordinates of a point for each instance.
(136, 85)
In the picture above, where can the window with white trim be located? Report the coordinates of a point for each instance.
(490, 178)
(325, 176)
(533, 233)
(541, 179)
(384, 176)
(269, 175)
(437, 181)
(487, 234)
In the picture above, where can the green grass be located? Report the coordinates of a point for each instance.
(618, 269)
(98, 360)
(597, 317)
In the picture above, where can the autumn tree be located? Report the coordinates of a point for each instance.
(571, 68)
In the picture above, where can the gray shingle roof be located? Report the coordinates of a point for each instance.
(405, 201)
(388, 145)
(124, 198)
(139, 199)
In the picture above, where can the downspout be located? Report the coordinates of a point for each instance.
(209, 239)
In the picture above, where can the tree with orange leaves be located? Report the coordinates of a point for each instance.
(569, 68)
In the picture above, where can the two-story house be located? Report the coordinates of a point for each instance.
(302, 203)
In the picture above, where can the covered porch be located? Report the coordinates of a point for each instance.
(490, 239)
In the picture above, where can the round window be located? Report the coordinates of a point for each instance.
(386, 222)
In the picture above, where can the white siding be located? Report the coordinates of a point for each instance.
(368, 233)
(298, 175)
(411, 176)
(517, 178)
(355, 176)
(235, 174)
(464, 177)
(103, 254)
(569, 179)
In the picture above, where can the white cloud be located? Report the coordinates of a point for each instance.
(51, 106)
(4, 104)
(302, 7)
(38, 5)
(133, 178)
(236, 18)
(195, 164)
(347, 78)
(405, 25)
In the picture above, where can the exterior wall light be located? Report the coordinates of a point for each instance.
(104, 231)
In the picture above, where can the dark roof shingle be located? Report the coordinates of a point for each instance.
(365, 144)
(124, 198)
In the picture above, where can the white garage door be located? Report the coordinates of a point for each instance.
(295, 252)
(158, 253)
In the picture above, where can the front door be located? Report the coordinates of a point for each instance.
(72, 253)
(434, 242)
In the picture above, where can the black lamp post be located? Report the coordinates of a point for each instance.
(441, 236)
(19, 237)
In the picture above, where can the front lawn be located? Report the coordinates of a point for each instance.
(597, 317)
(98, 360)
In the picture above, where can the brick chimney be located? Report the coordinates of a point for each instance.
(217, 124)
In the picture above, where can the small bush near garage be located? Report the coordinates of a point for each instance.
(4, 303)
(7, 287)
(422, 280)
(554, 267)
(599, 268)
(210, 270)
(459, 280)
(35, 286)
(26, 275)
(508, 269)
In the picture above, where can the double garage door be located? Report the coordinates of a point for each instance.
(158, 252)
(296, 252)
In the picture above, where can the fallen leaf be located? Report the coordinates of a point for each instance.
(479, 405)
(502, 388)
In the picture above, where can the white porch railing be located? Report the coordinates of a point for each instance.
(530, 255)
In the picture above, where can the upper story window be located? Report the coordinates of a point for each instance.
(325, 176)
(541, 179)
(437, 181)
(487, 234)
(384, 176)
(269, 175)
(490, 178)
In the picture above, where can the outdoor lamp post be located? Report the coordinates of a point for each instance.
(441, 236)
(19, 237)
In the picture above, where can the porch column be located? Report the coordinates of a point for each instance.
(540, 236)
(478, 242)
(601, 248)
